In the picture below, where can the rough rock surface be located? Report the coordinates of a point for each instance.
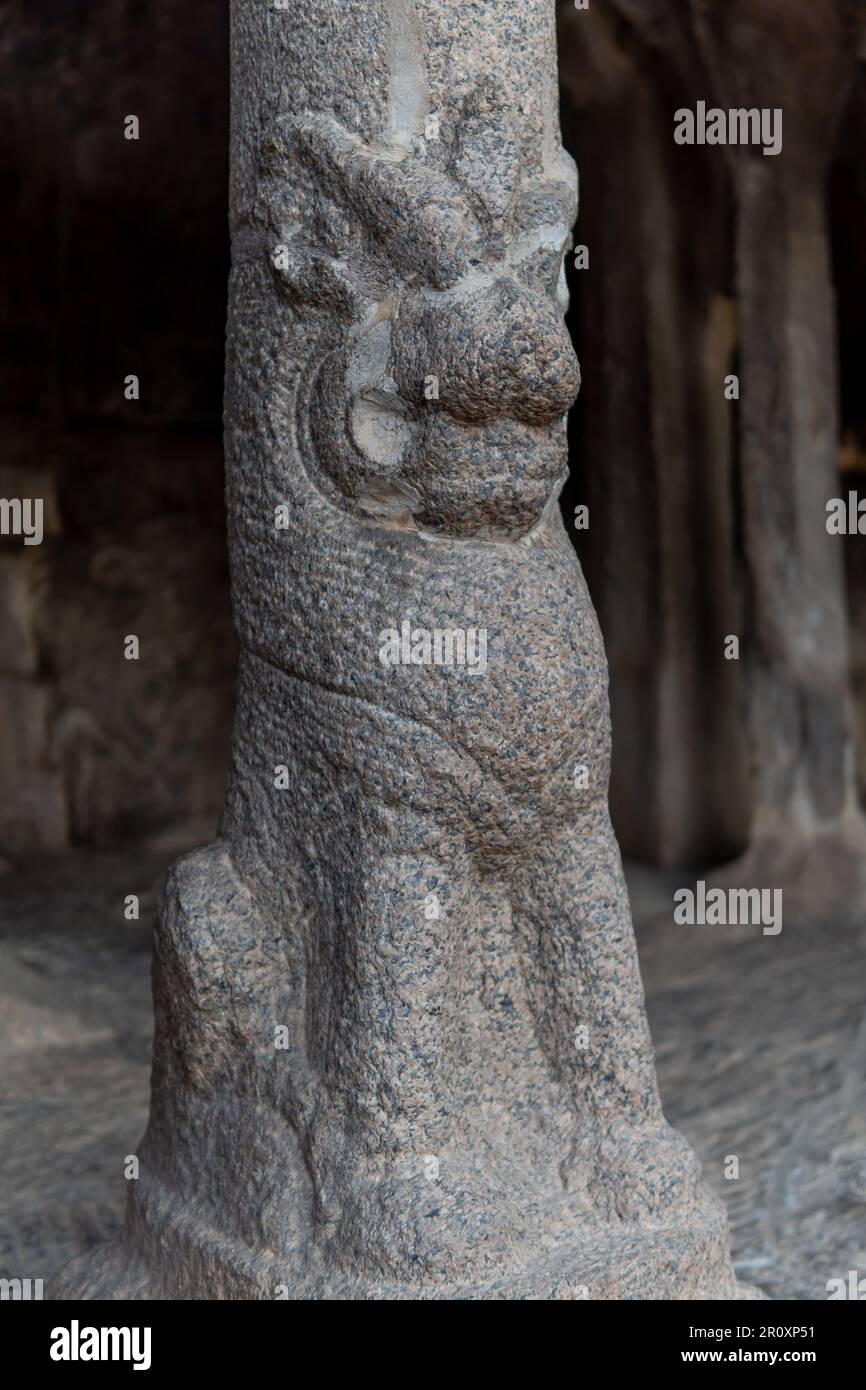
(401, 1048)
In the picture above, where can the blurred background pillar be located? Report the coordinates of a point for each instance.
(707, 515)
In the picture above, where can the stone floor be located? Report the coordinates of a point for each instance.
(761, 1044)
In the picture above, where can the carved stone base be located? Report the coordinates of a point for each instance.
(226, 1206)
(667, 1265)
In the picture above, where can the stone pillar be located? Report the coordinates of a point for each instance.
(654, 446)
(807, 831)
(401, 1048)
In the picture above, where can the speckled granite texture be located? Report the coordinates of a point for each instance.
(401, 1048)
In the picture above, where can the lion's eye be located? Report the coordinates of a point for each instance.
(543, 271)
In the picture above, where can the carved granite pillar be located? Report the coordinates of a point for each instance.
(401, 1048)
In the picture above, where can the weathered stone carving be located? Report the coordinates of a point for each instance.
(401, 1048)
